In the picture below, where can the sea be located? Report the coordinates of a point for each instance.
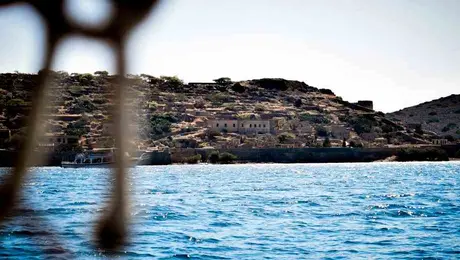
(247, 211)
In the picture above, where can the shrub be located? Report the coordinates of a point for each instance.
(193, 159)
(237, 87)
(327, 142)
(152, 105)
(321, 131)
(227, 158)
(362, 124)
(356, 144)
(449, 138)
(77, 128)
(316, 119)
(199, 103)
(448, 127)
(223, 81)
(298, 102)
(230, 106)
(82, 105)
(422, 154)
(284, 137)
(161, 124)
(213, 133)
(259, 108)
(76, 90)
(218, 98)
(101, 73)
(85, 79)
(213, 157)
(457, 154)
(16, 102)
(432, 120)
(326, 91)
(173, 81)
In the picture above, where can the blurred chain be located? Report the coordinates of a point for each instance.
(112, 228)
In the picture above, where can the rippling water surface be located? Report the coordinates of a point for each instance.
(254, 211)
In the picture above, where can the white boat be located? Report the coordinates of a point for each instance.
(90, 160)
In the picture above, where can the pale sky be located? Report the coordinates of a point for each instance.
(397, 53)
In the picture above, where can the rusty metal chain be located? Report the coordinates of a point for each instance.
(112, 228)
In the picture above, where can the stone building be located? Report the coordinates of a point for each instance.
(439, 141)
(241, 126)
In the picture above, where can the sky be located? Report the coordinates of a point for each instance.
(397, 53)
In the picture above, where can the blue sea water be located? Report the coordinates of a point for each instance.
(252, 211)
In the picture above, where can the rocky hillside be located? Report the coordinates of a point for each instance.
(171, 113)
(441, 116)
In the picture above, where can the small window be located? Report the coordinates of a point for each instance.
(234, 125)
(264, 126)
(59, 140)
(260, 125)
(225, 125)
(242, 125)
(217, 125)
(250, 125)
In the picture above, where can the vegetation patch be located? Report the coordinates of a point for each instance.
(422, 154)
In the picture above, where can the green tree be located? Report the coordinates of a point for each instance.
(223, 81)
(327, 142)
(285, 137)
(457, 154)
(298, 102)
(173, 81)
(101, 73)
(213, 157)
(321, 131)
(227, 158)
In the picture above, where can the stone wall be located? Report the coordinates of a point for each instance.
(306, 155)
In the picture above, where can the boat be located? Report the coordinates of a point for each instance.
(93, 159)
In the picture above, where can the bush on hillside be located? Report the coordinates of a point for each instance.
(161, 123)
(213, 157)
(82, 105)
(321, 131)
(432, 120)
(457, 154)
(326, 91)
(237, 87)
(227, 158)
(362, 124)
(259, 108)
(193, 159)
(101, 73)
(422, 154)
(327, 142)
(223, 81)
(285, 137)
(298, 102)
(77, 128)
(16, 102)
(448, 127)
(315, 119)
(173, 81)
(218, 98)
